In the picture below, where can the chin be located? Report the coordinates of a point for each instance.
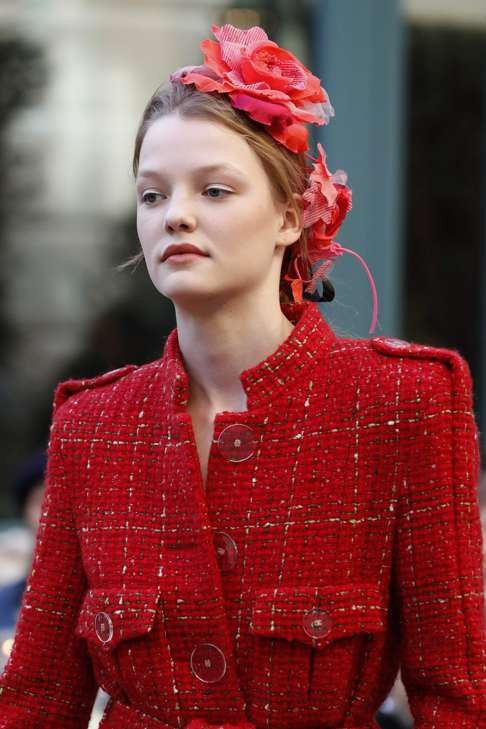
(183, 292)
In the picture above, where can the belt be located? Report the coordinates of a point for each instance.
(118, 714)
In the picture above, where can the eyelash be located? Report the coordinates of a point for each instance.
(221, 189)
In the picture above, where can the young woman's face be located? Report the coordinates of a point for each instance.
(226, 211)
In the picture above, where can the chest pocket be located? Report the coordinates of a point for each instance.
(111, 620)
(308, 645)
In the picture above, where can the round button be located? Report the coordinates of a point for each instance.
(317, 623)
(226, 550)
(237, 442)
(208, 663)
(103, 627)
(398, 343)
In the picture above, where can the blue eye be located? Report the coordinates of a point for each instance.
(157, 194)
(144, 196)
(218, 189)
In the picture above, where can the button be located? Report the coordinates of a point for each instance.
(103, 627)
(226, 551)
(237, 442)
(317, 623)
(398, 343)
(208, 663)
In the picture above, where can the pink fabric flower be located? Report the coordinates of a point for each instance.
(267, 82)
(327, 200)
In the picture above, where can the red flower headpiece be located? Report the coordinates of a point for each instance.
(267, 82)
(327, 200)
(275, 89)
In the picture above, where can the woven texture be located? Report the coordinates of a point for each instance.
(354, 534)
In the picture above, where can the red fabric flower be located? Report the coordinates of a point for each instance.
(327, 200)
(267, 82)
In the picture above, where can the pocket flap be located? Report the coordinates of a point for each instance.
(108, 616)
(318, 615)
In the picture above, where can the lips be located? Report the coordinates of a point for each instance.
(179, 248)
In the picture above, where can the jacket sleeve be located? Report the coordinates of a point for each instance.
(438, 564)
(48, 681)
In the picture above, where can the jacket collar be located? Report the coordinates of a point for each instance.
(280, 372)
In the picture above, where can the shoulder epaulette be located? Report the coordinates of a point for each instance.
(402, 348)
(66, 388)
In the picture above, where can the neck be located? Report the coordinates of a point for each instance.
(218, 344)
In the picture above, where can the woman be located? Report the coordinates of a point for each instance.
(260, 528)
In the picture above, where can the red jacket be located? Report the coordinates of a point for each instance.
(339, 538)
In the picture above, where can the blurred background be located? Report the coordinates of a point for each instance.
(407, 80)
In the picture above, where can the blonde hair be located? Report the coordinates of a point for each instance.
(286, 170)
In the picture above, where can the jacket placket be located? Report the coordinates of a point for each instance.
(205, 675)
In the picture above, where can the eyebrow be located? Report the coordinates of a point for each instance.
(205, 168)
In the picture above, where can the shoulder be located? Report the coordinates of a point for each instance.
(68, 389)
(392, 351)
(438, 367)
(406, 368)
(392, 347)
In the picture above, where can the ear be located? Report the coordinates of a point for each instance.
(291, 224)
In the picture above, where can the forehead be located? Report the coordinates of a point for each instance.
(176, 143)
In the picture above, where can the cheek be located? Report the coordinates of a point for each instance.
(146, 230)
(251, 222)
(254, 232)
(141, 223)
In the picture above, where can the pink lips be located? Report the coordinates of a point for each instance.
(181, 248)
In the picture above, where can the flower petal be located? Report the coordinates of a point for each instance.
(203, 70)
(234, 42)
(294, 137)
(205, 83)
(261, 111)
(311, 113)
(280, 68)
(229, 35)
(212, 56)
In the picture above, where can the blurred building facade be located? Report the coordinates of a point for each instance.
(104, 61)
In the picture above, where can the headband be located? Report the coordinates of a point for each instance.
(276, 90)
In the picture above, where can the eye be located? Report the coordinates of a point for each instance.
(144, 197)
(218, 189)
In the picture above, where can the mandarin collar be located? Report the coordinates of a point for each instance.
(279, 372)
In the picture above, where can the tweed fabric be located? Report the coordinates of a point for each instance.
(356, 534)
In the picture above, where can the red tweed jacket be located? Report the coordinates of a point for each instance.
(338, 540)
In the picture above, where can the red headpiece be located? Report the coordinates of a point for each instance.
(275, 89)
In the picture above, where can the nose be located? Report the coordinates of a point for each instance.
(178, 216)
